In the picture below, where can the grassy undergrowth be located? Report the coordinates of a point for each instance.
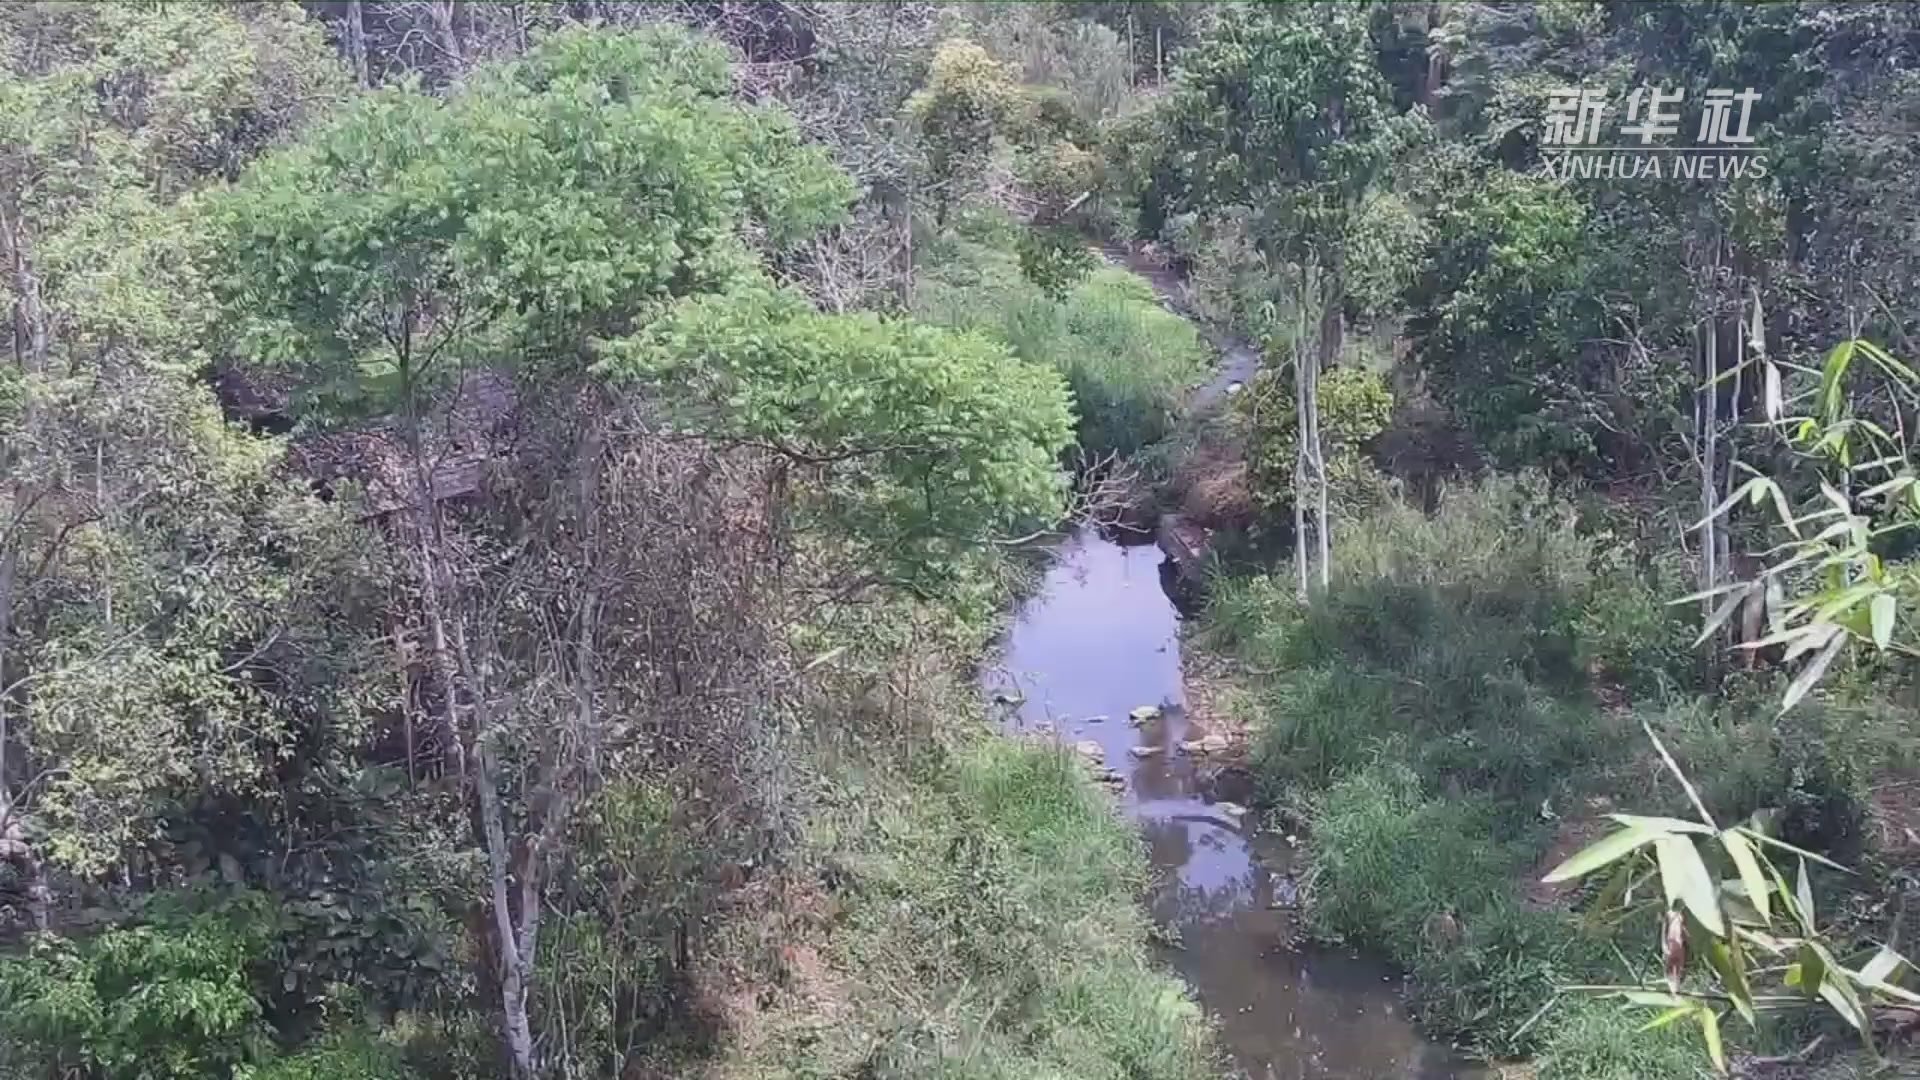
(1128, 361)
(987, 928)
(1434, 718)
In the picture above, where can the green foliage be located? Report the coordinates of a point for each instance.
(1629, 633)
(1355, 406)
(1388, 859)
(139, 1002)
(1504, 297)
(349, 1056)
(1127, 360)
(608, 965)
(1055, 260)
(1429, 716)
(1418, 877)
(1738, 904)
(1846, 591)
(933, 439)
(990, 920)
(158, 567)
(1248, 123)
(1807, 772)
(968, 99)
(550, 198)
(1592, 1040)
(1450, 639)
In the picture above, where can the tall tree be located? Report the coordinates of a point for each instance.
(1282, 110)
(586, 226)
(146, 570)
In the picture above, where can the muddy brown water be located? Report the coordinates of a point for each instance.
(1100, 638)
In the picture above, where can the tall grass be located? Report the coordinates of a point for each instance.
(1128, 361)
(1431, 715)
(1449, 643)
(989, 931)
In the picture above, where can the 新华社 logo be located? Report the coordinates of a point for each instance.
(1650, 134)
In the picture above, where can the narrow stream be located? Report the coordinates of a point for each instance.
(1101, 638)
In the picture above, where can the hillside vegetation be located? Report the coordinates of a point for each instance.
(501, 505)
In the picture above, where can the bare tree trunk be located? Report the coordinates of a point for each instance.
(446, 30)
(1314, 359)
(1133, 52)
(513, 966)
(1323, 523)
(14, 846)
(1301, 362)
(1436, 57)
(1729, 471)
(1333, 326)
(1707, 409)
(357, 42)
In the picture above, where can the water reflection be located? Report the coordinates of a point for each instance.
(1099, 639)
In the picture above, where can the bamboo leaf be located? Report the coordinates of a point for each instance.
(1803, 896)
(1882, 967)
(1833, 496)
(1898, 993)
(1720, 615)
(1717, 590)
(1808, 971)
(1819, 632)
(1838, 992)
(1710, 1029)
(1686, 881)
(1832, 373)
(1731, 500)
(1723, 956)
(1740, 850)
(1657, 998)
(1883, 608)
(1662, 824)
(1755, 834)
(1603, 852)
(1889, 487)
(1893, 368)
(1780, 507)
(1668, 1017)
(1811, 673)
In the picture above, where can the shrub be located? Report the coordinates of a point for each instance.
(136, 1003)
(1388, 861)
(1807, 768)
(1452, 639)
(1429, 711)
(348, 1056)
(1128, 361)
(1355, 406)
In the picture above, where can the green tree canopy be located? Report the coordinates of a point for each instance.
(568, 193)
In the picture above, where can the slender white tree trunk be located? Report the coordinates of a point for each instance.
(1709, 413)
(357, 42)
(1323, 523)
(1301, 361)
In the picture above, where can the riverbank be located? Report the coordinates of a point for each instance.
(978, 923)
(1094, 664)
(1450, 719)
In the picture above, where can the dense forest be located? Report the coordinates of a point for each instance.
(504, 507)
